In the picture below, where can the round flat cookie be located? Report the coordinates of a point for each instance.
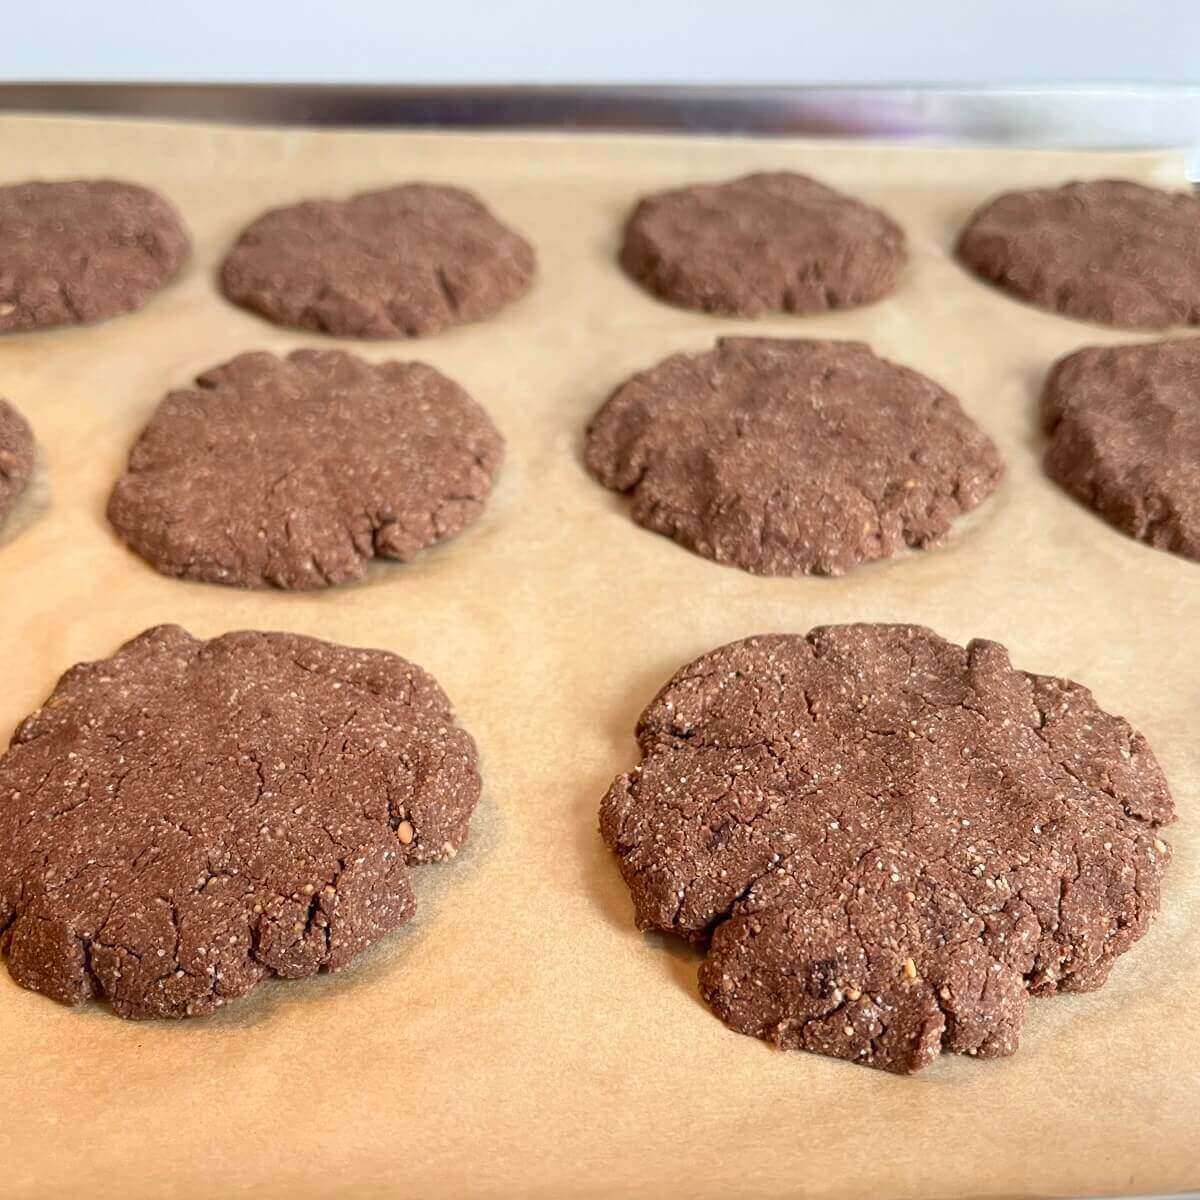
(790, 457)
(295, 472)
(1124, 426)
(886, 841)
(401, 262)
(1107, 251)
(78, 251)
(17, 456)
(186, 817)
(775, 241)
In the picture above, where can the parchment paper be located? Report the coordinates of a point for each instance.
(520, 1038)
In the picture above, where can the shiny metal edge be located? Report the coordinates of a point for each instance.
(1116, 117)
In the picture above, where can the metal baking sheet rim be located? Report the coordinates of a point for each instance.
(1091, 116)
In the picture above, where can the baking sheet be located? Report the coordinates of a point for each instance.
(520, 1037)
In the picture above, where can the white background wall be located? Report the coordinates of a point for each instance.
(703, 41)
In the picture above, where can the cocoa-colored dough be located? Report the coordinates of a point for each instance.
(186, 817)
(295, 472)
(17, 456)
(77, 251)
(775, 241)
(786, 457)
(402, 262)
(1124, 426)
(887, 842)
(1109, 251)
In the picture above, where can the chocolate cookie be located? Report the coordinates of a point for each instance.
(1124, 426)
(887, 842)
(295, 472)
(78, 251)
(17, 455)
(790, 457)
(771, 241)
(401, 262)
(186, 817)
(1108, 251)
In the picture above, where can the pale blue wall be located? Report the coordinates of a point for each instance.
(603, 40)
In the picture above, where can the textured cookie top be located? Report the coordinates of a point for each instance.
(401, 262)
(185, 817)
(1124, 426)
(888, 838)
(772, 241)
(786, 457)
(79, 251)
(17, 456)
(295, 472)
(1108, 251)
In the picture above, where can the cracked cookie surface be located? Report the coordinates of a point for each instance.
(187, 817)
(17, 456)
(1108, 250)
(401, 262)
(77, 251)
(791, 456)
(886, 841)
(295, 472)
(1124, 428)
(773, 241)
